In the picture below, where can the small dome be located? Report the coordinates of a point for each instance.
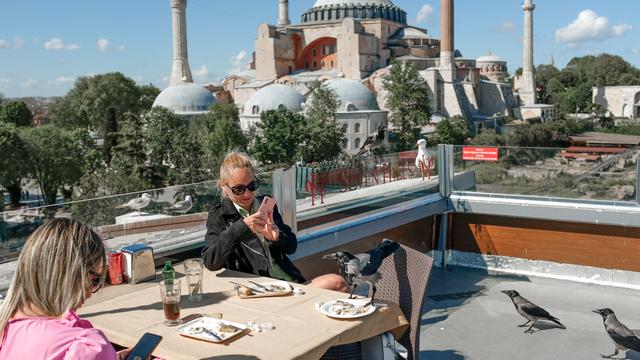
(352, 2)
(353, 95)
(489, 58)
(185, 99)
(273, 96)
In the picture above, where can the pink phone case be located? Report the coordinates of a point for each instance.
(267, 205)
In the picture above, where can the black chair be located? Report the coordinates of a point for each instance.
(404, 281)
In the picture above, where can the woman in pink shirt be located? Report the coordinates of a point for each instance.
(61, 264)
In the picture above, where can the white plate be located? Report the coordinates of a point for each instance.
(212, 326)
(326, 308)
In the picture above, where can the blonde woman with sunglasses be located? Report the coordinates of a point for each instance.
(61, 264)
(241, 238)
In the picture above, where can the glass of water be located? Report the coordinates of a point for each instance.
(194, 268)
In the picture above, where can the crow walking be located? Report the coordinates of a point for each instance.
(530, 311)
(622, 337)
(363, 268)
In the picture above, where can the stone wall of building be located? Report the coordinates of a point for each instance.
(620, 101)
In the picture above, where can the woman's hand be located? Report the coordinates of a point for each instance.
(271, 231)
(256, 223)
(122, 354)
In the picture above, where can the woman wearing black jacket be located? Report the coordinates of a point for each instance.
(241, 238)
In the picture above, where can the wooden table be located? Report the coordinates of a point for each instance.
(125, 312)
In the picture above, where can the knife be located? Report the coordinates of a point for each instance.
(248, 287)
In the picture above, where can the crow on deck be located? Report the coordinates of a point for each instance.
(363, 268)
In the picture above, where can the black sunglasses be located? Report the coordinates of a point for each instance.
(240, 189)
(96, 280)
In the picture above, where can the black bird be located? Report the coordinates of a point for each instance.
(363, 268)
(374, 141)
(530, 311)
(623, 338)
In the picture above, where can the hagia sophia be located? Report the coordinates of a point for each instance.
(349, 44)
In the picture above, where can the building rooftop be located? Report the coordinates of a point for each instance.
(185, 99)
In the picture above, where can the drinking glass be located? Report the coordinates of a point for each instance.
(170, 292)
(194, 268)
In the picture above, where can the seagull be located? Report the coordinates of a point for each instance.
(530, 311)
(183, 206)
(423, 160)
(622, 337)
(374, 141)
(138, 203)
(363, 268)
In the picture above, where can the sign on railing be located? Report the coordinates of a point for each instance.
(476, 153)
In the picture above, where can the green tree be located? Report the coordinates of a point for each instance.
(281, 133)
(324, 138)
(16, 112)
(53, 158)
(12, 169)
(129, 156)
(221, 133)
(407, 101)
(489, 137)
(148, 94)
(452, 131)
(86, 104)
(110, 131)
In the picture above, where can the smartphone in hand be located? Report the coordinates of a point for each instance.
(145, 346)
(267, 206)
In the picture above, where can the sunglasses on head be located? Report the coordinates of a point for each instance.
(240, 189)
(96, 280)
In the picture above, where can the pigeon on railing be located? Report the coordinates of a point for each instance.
(363, 268)
(622, 337)
(138, 203)
(183, 206)
(530, 311)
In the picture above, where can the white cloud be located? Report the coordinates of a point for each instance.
(29, 83)
(202, 72)
(423, 14)
(165, 79)
(120, 48)
(4, 44)
(138, 78)
(61, 80)
(103, 44)
(589, 27)
(238, 61)
(18, 42)
(635, 50)
(507, 26)
(58, 44)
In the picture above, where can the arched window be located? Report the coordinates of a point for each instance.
(356, 143)
(351, 107)
(255, 110)
(356, 128)
(345, 128)
(322, 63)
(332, 63)
(315, 64)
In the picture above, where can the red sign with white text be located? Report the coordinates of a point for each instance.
(480, 153)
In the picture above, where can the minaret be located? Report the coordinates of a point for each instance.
(180, 71)
(527, 89)
(284, 14)
(447, 50)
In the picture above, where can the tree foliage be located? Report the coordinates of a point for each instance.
(129, 156)
(16, 112)
(281, 134)
(86, 104)
(54, 157)
(324, 139)
(454, 131)
(220, 133)
(110, 131)
(12, 169)
(407, 102)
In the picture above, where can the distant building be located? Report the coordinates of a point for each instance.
(619, 101)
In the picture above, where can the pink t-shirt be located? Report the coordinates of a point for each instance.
(68, 337)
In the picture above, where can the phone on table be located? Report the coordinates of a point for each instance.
(267, 206)
(145, 346)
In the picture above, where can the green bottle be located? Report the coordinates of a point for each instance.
(168, 273)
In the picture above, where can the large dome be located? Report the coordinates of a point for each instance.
(271, 97)
(185, 99)
(352, 2)
(353, 95)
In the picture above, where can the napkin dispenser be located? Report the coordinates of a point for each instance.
(137, 263)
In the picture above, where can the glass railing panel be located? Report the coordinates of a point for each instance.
(592, 173)
(350, 186)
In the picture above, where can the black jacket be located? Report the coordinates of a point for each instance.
(230, 244)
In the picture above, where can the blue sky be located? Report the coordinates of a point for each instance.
(45, 45)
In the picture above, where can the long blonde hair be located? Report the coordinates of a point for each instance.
(53, 269)
(235, 159)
